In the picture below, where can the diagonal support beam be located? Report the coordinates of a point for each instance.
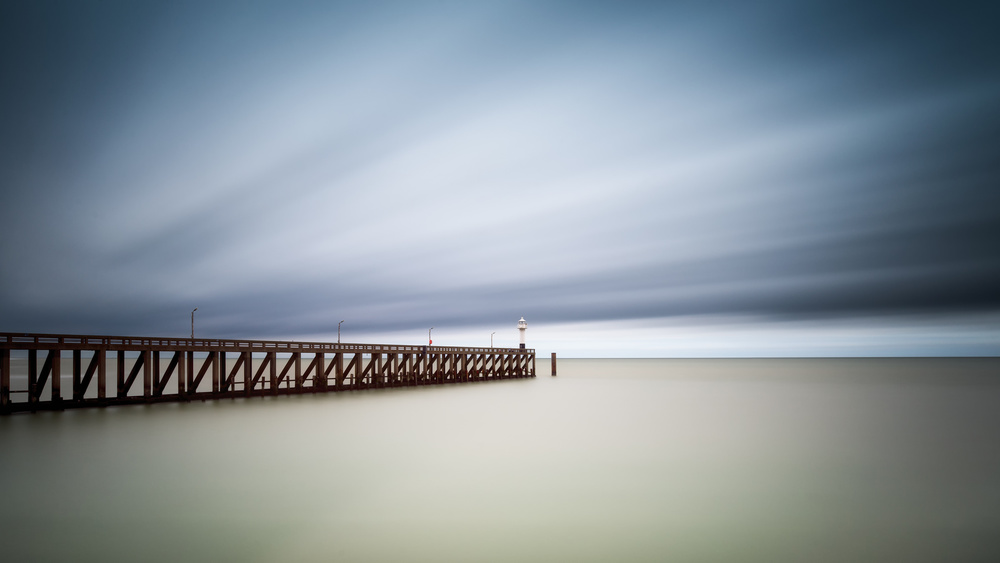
(207, 363)
(50, 365)
(309, 369)
(126, 385)
(336, 366)
(80, 389)
(389, 374)
(292, 360)
(353, 368)
(369, 370)
(161, 383)
(260, 370)
(228, 383)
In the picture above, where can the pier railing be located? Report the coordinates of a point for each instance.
(60, 371)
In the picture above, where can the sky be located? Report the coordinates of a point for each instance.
(633, 178)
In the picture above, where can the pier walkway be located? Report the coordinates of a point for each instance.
(60, 371)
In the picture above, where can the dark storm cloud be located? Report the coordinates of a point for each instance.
(283, 166)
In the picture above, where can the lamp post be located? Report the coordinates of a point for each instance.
(338, 331)
(192, 321)
(491, 338)
(429, 341)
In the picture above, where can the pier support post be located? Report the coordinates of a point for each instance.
(56, 375)
(553, 364)
(272, 357)
(218, 371)
(102, 374)
(358, 375)
(189, 374)
(33, 391)
(338, 374)
(4, 378)
(247, 358)
(156, 374)
(298, 370)
(121, 374)
(77, 375)
(147, 373)
(181, 374)
(319, 377)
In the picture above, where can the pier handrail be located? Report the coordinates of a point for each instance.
(40, 341)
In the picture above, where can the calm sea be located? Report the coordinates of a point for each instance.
(613, 460)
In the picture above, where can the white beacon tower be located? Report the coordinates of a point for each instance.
(522, 325)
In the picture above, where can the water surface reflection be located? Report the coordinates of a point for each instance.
(626, 460)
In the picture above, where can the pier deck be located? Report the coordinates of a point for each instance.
(60, 371)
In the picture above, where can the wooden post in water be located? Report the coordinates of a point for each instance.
(553, 364)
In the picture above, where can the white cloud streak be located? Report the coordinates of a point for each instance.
(419, 164)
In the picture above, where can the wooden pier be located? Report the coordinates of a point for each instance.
(59, 371)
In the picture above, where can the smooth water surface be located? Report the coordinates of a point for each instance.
(613, 460)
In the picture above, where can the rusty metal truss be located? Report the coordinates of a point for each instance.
(33, 369)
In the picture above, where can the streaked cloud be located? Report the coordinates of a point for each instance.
(283, 166)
